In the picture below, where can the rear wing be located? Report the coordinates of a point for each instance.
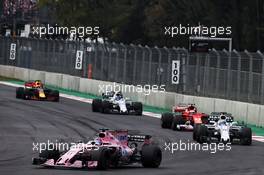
(215, 116)
(33, 84)
(108, 94)
(124, 137)
(184, 107)
(138, 138)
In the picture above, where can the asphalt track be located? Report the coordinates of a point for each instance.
(24, 122)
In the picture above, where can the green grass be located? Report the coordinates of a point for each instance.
(8, 79)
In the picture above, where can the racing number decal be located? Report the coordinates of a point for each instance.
(79, 58)
(12, 51)
(175, 77)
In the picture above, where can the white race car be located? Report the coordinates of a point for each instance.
(222, 128)
(115, 102)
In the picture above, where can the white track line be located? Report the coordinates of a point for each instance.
(86, 100)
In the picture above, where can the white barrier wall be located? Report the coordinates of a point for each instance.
(250, 113)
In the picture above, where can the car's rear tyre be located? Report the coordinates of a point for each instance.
(151, 156)
(202, 134)
(103, 157)
(20, 93)
(138, 107)
(56, 95)
(28, 94)
(196, 130)
(177, 120)
(246, 136)
(96, 105)
(166, 120)
(105, 107)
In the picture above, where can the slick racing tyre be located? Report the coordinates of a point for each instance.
(196, 130)
(202, 134)
(246, 136)
(20, 92)
(102, 156)
(177, 120)
(138, 107)
(151, 156)
(55, 95)
(106, 107)
(96, 105)
(28, 94)
(166, 120)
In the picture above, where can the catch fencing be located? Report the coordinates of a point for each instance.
(219, 74)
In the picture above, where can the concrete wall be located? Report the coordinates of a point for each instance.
(250, 113)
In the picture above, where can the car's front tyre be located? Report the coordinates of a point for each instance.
(20, 92)
(96, 105)
(166, 120)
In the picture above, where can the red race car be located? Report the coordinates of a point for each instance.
(183, 117)
(109, 149)
(35, 90)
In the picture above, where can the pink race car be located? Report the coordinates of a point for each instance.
(109, 149)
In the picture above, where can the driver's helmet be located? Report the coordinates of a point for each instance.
(119, 95)
(38, 84)
(98, 141)
(110, 93)
(192, 108)
(222, 117)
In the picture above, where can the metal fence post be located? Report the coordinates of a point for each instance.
(18, 51)
(228, 90)
(2, 41)
(102, 62)
(250, 87)
(111, 49)
(168, 82)
(159, 71)
(142, 67)
(134, 63)
(7, 45)
(217, 72)
(150, 61)
(125, 62)
(95, 59)
(238, 74)
(206, 74)
(54, 58)
(262, 77)
(116, 62)
(197, 75)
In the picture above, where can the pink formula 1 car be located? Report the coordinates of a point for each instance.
(109, 149)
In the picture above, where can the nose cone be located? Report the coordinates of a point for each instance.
(224, 130)
(123, 110)
(225, 140)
